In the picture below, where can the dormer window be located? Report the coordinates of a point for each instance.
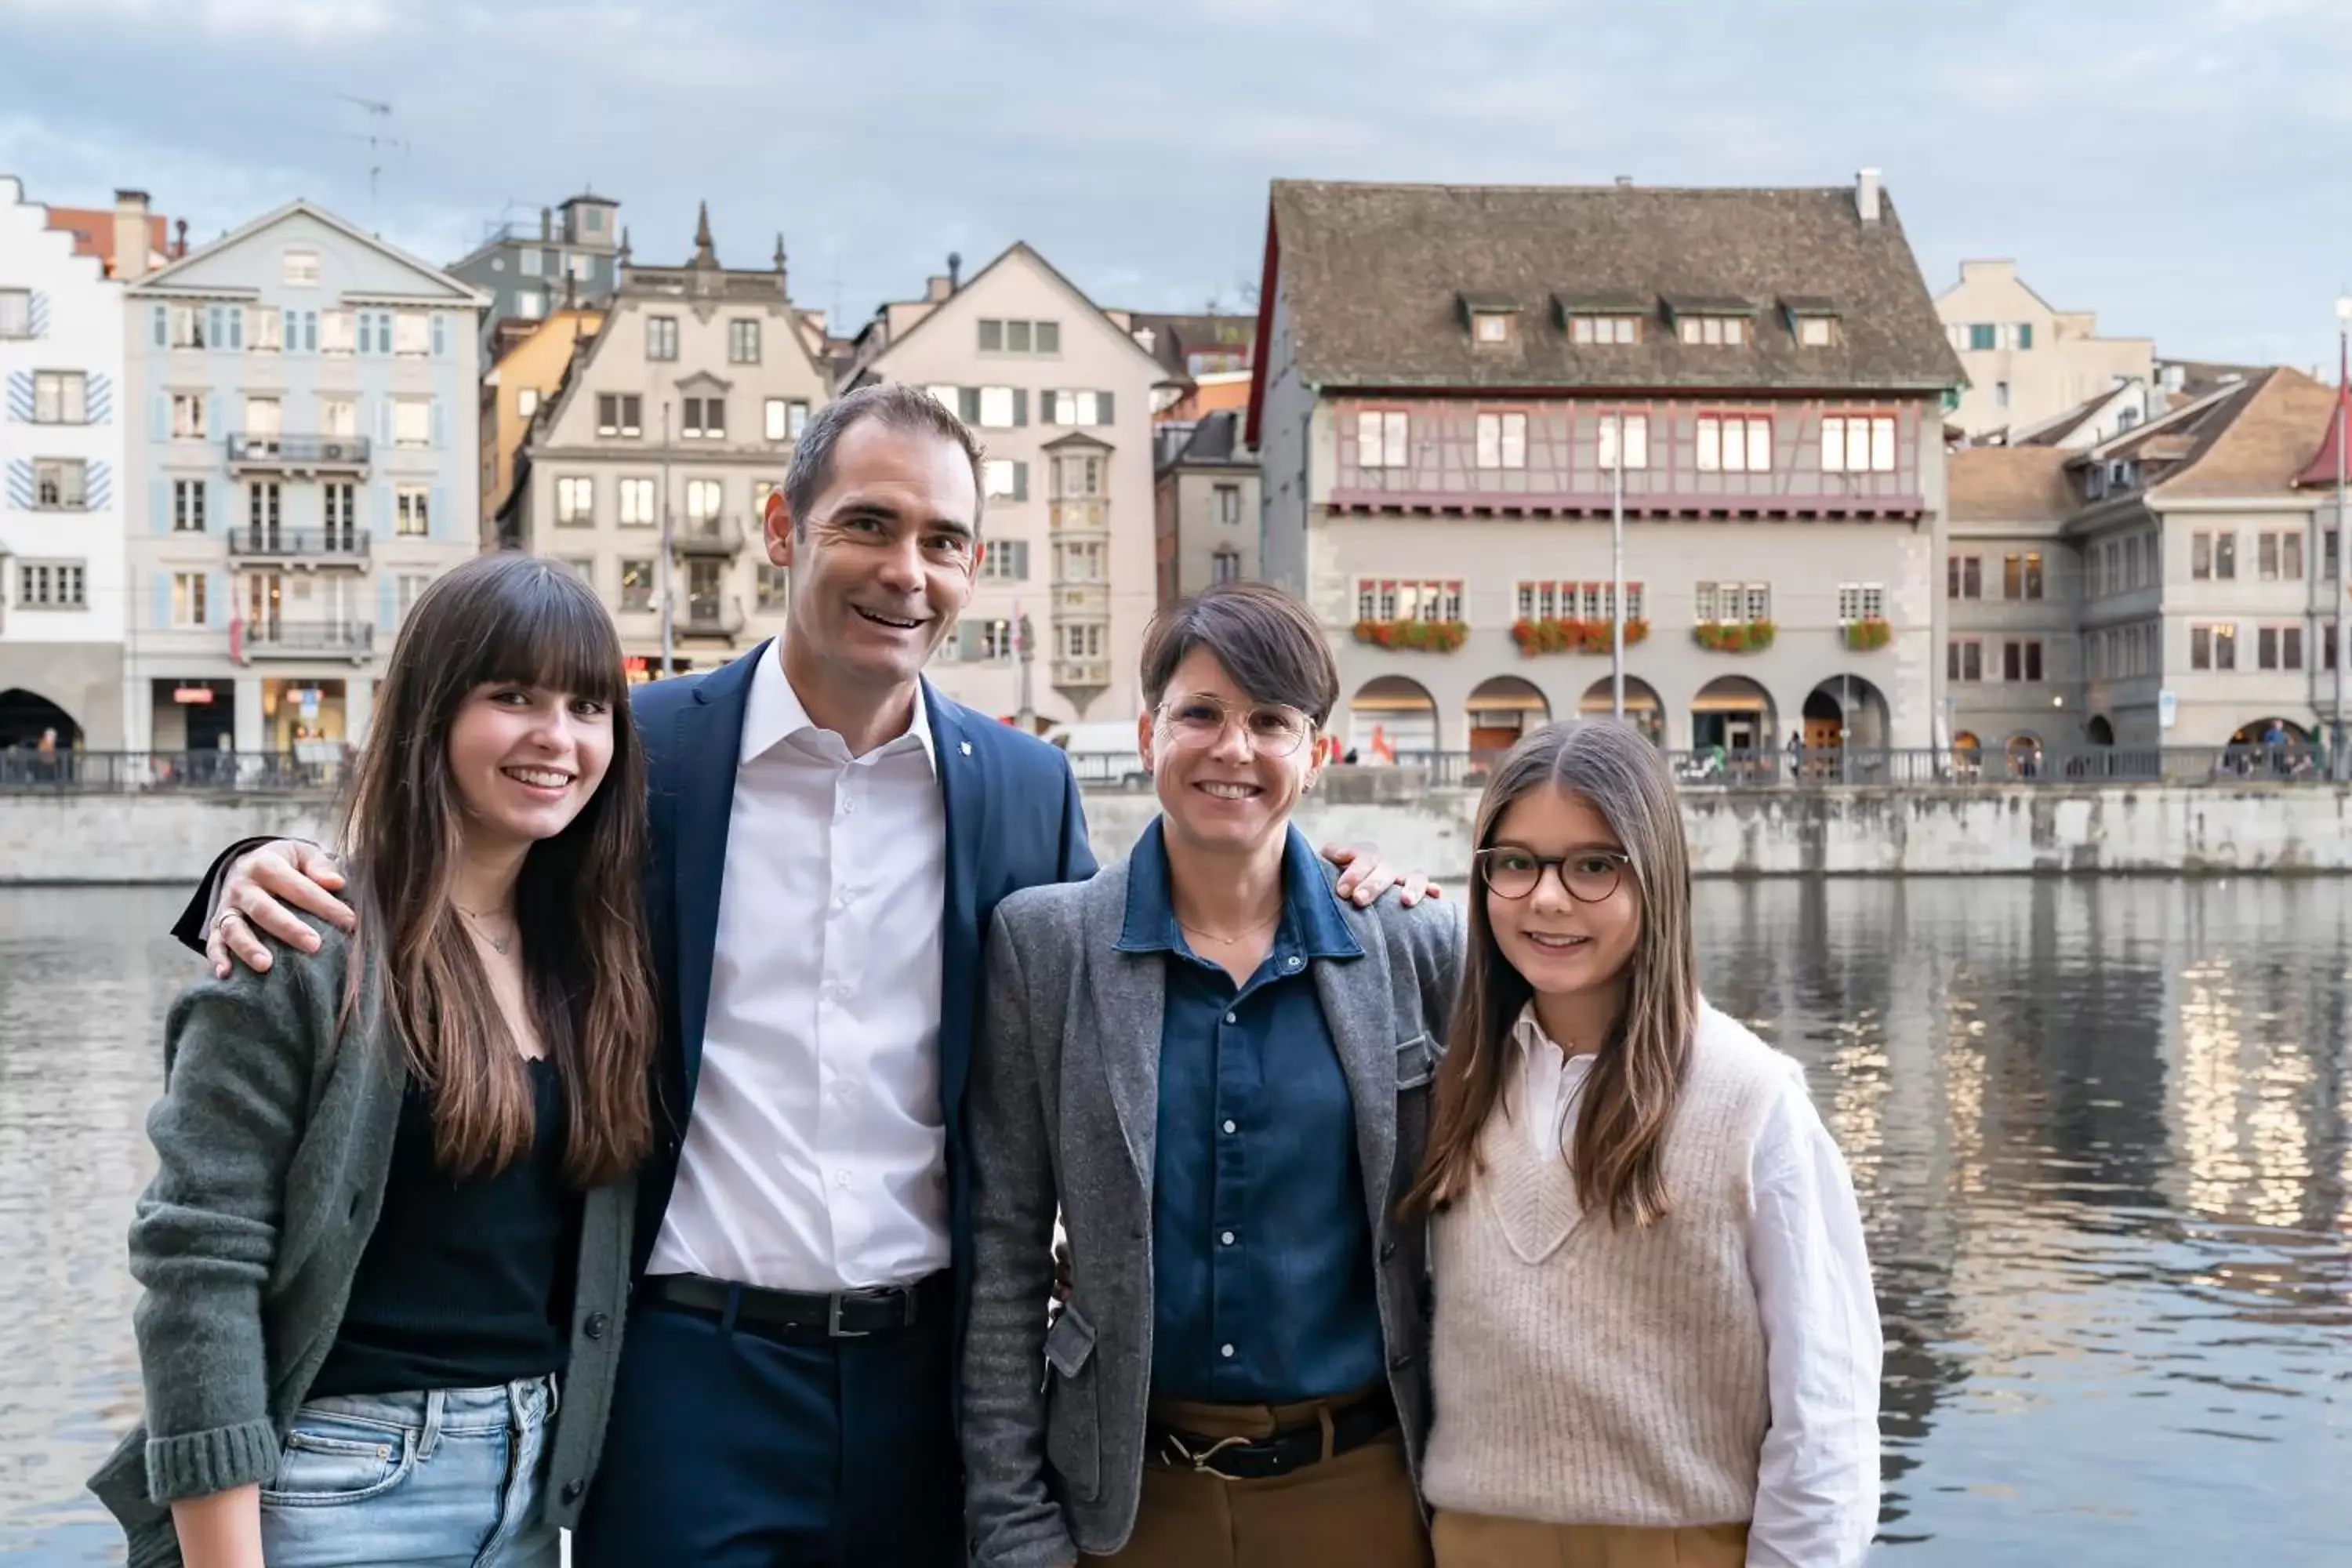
(1713, 324)
(1490, 317)
(1813, 322)
(1589, 319)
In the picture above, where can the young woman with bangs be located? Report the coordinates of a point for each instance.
(1653, 1339)
(389, 1233)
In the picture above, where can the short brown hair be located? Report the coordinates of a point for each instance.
(1266, 641)
(901, 407)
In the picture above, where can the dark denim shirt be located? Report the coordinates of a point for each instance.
(1263, 1287)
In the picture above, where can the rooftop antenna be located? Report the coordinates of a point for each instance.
(378, 141)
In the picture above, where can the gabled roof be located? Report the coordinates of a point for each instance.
(93, 233)
(1373, 275)
(2010, 484)
(2246, 439)
(1018, 247)
(163, 278)
(2327, 464)
(2053, 431)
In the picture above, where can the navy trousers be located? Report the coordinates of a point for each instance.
(734, 1446)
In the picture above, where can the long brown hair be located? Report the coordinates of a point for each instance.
(1637, 1076)
(500, 618)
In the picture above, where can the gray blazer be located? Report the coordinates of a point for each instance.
(1064, 1113)
(273, 1140)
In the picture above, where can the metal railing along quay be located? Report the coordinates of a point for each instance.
(317, 766)
(1931, 768)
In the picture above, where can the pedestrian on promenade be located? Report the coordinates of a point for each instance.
(392, 1200)
(1654, 1339)
(829, 836)
(1217, 1071)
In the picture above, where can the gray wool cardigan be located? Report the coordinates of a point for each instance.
(274, 1137)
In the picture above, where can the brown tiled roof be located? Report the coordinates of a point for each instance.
(2257, 440)
(1374, 275)
(2053, 431)
(2010, 484)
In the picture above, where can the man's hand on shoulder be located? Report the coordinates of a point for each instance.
(1364, 877)
(255, 894)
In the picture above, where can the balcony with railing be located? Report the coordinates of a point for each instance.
(304, 639)
(709, 536)
(300, 454)
(299, 547)
(1089, 515)
(1085, 599)
(1081, 674)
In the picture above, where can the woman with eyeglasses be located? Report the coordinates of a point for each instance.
(1656, 1340)
(1218, 1073)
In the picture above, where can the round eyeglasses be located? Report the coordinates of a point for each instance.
(1201, 722)
(1588, 875)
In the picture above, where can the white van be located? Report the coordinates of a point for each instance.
(1103, 754)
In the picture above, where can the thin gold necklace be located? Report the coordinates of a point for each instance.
(1229, 940)
(503, 944)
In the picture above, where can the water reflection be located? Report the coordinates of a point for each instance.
(2102, 1133)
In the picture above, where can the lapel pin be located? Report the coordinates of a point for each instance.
(964, 746)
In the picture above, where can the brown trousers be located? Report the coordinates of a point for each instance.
(1482, 1541)
(1355, 1511)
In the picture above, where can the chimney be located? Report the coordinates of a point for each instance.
(1624, 182)
(937, 289)
(1865, 194)
(955, 271)
(546, 224)
(132, 244)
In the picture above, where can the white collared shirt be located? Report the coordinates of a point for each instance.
(1817, 1487)
(815, 1158)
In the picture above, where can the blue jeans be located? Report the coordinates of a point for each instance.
(453, 1478)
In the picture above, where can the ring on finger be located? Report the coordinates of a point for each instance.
(223, 918)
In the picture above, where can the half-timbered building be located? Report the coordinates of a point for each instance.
(1454, 383)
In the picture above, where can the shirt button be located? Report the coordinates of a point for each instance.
(1227, 1238)
(595, 1324)
(1226, 1351)
(572, 1491)
(1293, 962)
(1229, 1127)
(1229, 1018)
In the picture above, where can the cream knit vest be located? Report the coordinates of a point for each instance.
(1586, 1374)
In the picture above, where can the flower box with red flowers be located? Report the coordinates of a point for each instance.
(1542, 637)
(1413, 637)
(1733, 636)
(1868, 633)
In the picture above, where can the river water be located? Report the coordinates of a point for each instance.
(2102, 1133)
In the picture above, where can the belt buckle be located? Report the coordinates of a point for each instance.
(1199, 1461)
(833, 1320)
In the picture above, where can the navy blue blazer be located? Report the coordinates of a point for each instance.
(1014, 821)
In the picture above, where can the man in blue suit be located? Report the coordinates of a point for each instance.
(830, 837)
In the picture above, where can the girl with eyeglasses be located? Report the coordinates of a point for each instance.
(1655, 1340)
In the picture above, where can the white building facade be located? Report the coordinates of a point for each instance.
(63, 589)
(1059, 393)
(305, 460)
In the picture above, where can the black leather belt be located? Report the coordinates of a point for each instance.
(844, 1315)
(1293, 1448)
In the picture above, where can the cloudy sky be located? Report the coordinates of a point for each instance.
(2181, 166)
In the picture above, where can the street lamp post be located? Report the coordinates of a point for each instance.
(665, 567)
(1617, 572)
(2342, 759)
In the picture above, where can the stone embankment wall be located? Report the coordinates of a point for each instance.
(2204, 830)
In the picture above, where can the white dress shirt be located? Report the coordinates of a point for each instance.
(1817, 1488)
(815, 1158)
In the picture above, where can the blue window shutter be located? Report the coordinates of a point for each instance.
(438, 518)
(162, 318)
(159, 506)
(20, 397)
(438, 434)
(236, 327)
(1020, 481)
(217, 598)
(20, 483)
(440, 335)
(968, 405)
(236, 412)
(310, 332)
(382, 507)
(101, 399)
(163, 605)
(387, 607)
(218, 498)
(159, 417)
(1102, 409)
(1021, 405)
(213, 329)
